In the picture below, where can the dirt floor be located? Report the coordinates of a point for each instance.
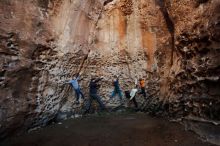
(109, 130)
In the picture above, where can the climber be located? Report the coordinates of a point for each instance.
(93, 94)
(76, 87)
(117, 89)
(131, 96)
(142, 85)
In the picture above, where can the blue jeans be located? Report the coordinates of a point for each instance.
(117, 91)
(78, 93)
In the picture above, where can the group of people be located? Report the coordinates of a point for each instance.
(94, 86)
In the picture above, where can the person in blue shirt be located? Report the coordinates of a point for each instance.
(117, 89)
(76, 87)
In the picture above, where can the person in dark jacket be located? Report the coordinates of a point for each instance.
(93, 90)
(117, 89)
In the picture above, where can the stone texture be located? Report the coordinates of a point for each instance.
(173, 45)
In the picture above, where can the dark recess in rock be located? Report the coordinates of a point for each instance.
(107, 1)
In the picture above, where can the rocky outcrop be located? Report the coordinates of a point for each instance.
(194, 78)
(173, 45)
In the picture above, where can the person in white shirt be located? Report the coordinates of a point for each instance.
(131, 95)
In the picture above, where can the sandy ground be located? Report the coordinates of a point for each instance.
(109, 130)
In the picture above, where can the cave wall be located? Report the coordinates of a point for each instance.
(42, 43)
(173, 45)
(26, 40)
(194, 75)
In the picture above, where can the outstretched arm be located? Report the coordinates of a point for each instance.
(135, 81)
(68, 82)
(97, 80)
(78, 77)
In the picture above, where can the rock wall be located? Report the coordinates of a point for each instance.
(194, 75)
(173, 45)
